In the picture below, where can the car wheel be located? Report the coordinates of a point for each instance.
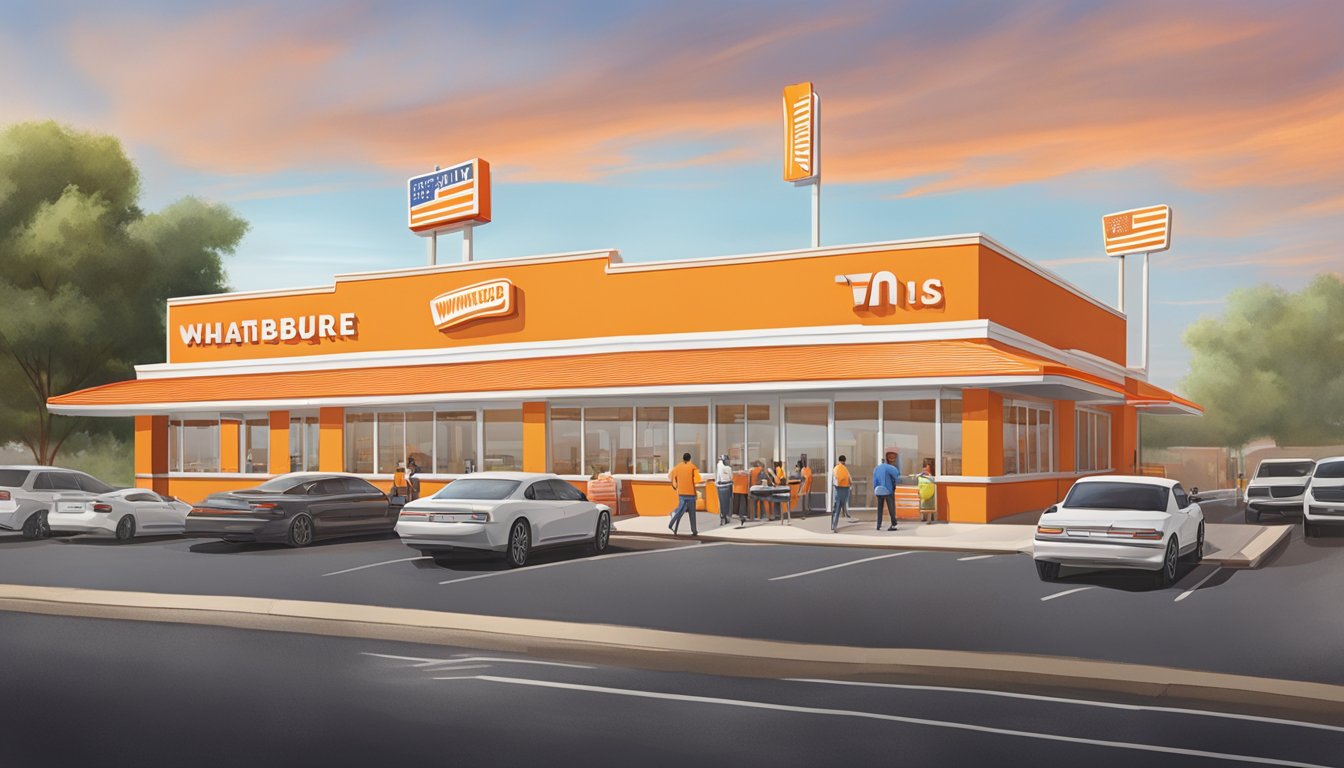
(1171, 560)
(1197, 553)
(36, 527)
(300, 531)
(602, 538)
(126, 528)
(520, 544)
(1047, 571)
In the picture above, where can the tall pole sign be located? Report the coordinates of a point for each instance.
(451, 199)
(802, 148)
(1138, 230)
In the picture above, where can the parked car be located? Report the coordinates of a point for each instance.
(122, 514)
(294, 509)
(1121, 521)
(28, 495)
(513, 513)
(1323, 501)
(1277, 487)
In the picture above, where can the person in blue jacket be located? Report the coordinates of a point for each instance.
(885, 479)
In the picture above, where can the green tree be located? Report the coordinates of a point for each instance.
(84, 273)
(1271, 366)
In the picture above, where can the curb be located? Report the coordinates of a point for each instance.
(1258, 548)
(707, 654)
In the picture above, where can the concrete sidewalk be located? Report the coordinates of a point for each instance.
(1231, 546)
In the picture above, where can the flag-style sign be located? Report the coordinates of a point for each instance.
(1141, 230)
(449, 198)
(800, 132)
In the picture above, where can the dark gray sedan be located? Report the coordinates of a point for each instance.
(295, 510)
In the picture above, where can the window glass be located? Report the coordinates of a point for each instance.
(690, 434)
(256, 445)
(92, 484)
(608, 440)
(856, 433)
(730, 432)
(1330, 470)
(566, 441)
(540, 491)
(359, 443)
(304, 434)
(12, 478)
(64, 481)
(1141, 497)
(43, 482)
(565, 492)
(1028, 438)
(391, 442)
(503, 439)
(332, 486)
(651, 435)
(1182, 498)
(805, 435)
(455, 442)
(762, 434)
(1093, 441)
(478, 488)
(141, 497)
(909, 428)
(419, 440)
(1285, 469)
(196, 444)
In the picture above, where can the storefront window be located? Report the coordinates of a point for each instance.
(856, 439)
(608, 440)
(303, 442)
(256, 444)
(455, 442)
(908, 427)
(805, 437)
(729, 433)
(359, 443)
(690, 434)
(762, 435)
(193, 445)
(1028, 438)
(391, 442)
(503, 440)
(951, 413)
(1092, 442)
(651, 440)
(420, 440)
(566, 436)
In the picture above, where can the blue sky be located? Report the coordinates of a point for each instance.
(653, 127)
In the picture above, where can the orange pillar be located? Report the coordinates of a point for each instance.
(151, 453)
(981, 433)
(330, 439)
(230, 433)
(279, 447)
(534, 437)
(1124, 439)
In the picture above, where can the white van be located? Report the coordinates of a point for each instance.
(1277, 487)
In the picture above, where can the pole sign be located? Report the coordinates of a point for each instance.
(449, 199)
(800, 132)
(1139, 230)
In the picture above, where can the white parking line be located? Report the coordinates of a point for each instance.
(974, 557)
(1138, 747)
(841, 565)
(1191, 590)
(422, 662)
(1080, 702)
(531, 568)
(1065, 592)
(375, 565)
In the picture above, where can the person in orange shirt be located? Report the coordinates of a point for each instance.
(741, 490)
(840, 479)
(685, 476)
(804, 488)
(755, 476)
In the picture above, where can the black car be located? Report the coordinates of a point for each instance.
(295, 509)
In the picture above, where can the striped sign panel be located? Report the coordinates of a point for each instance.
(1141, 230)
(449, 198)
(800, 132)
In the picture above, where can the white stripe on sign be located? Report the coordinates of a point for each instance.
(1191, 590)
(1065, 592)
(841, 565)
(375, 565)
(1128, 745)
(531, 568)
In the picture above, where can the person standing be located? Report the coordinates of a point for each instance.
(928, 492)
(804, 488)
(840, 481)
(723, 482)
(741, 494)
(412, 482)
(684, 477)
(885, 479)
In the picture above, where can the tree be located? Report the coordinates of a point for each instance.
(84, 273)
(1271, 366)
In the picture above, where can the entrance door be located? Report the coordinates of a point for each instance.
(805, 423)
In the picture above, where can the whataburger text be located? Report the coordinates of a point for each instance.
(270, 330)
(493, 297)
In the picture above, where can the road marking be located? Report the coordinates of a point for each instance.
(841, 565)
(974, 557)
(1080, 702)
(894, 719)
(531, 568)
(375, 565)
(1191, 590)
(423, 662)
(1065, 592)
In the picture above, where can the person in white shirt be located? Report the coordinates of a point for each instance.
(723, 481)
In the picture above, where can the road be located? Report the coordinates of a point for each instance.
(1279, 621)
(80, 692)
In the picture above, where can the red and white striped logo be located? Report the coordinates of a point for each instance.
(1141, 230)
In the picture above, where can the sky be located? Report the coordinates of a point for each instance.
(654, 127)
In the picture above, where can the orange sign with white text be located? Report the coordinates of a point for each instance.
(800, 132)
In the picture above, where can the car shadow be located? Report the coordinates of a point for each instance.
(475, 560)
(216, 546)
(1299, 550)
(109, 541)
(1124, 580)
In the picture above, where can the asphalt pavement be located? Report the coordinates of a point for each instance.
(80, 692)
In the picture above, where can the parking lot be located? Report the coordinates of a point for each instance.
(1278, 621)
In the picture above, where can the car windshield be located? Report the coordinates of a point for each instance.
(1285, 469)
(482, 489)
(12, 478)
(1330, 470)
(284, 483)
(1139, 497)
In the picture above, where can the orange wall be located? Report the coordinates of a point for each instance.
(1065, 450)
(331, 439)
(279, 442)
(981, 433)
(151, 452)
(534, 437)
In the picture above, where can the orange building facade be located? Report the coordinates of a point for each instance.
(951, 350)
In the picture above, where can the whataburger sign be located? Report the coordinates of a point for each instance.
(491, 298)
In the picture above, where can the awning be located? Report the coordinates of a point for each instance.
(916, 363)
(1152, 399)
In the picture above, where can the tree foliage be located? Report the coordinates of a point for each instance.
(84, 273)
(1271, 366)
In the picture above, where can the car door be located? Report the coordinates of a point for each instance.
(370, 505)
(329, 505)
(578, 516)
(1187, 527)
(147, 509)
(544, 511)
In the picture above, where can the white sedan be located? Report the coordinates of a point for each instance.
(1121, 521)
(121, 514)
(512, 513)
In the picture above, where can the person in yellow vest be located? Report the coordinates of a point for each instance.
(840, 481)
(685, 476)
(928, 492)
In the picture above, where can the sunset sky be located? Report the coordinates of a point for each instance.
(654, 128)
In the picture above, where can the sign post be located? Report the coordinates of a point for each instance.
(802, 148)
(451, 199)
(1138, 230)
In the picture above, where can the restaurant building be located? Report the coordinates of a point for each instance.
(955, 349)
